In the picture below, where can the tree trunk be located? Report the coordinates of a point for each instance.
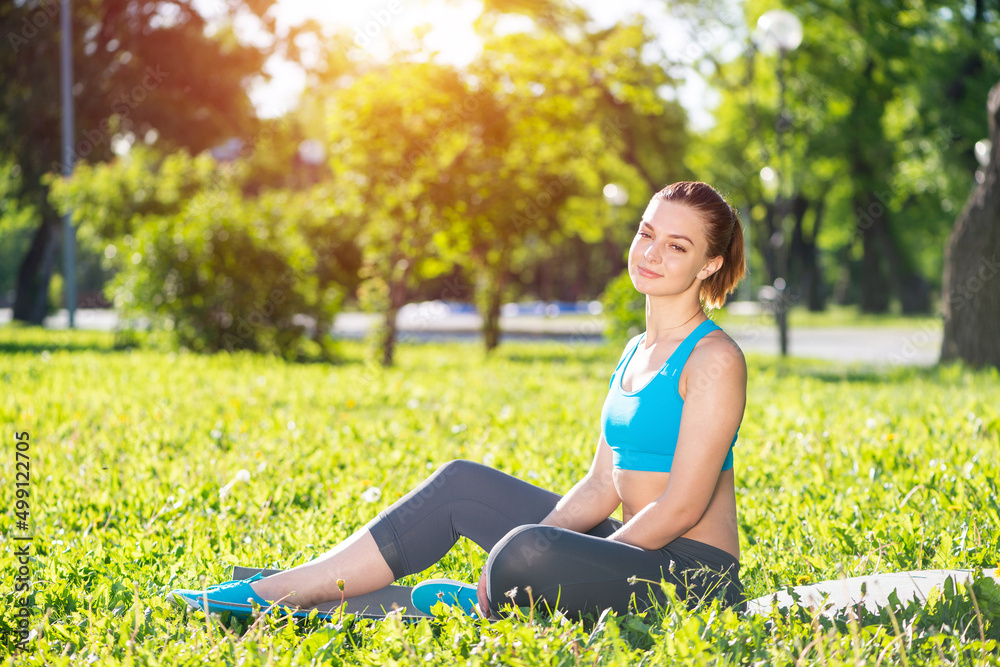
(843, 287)
(913, 290)
(810, 276)
(874, 294)
(868, 164)
(493, 295)
(971, 266)
(389, 327)
(399, 272)
(35, 273)
(491, 319)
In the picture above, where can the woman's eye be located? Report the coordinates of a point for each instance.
(643, 234)
(678, 248)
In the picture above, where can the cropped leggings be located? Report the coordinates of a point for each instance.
(576, 572)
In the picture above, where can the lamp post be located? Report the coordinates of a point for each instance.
(779, 31)
(982, 150)
(68, 121)
(616, 196)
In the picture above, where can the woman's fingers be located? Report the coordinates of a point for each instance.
(484, 604)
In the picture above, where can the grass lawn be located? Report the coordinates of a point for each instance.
(840, 471)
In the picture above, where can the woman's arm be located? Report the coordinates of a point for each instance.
(713, 409)
(592, 499)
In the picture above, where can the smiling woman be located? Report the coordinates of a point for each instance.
(664, 453)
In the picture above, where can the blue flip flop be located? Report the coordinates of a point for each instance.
(428, 593)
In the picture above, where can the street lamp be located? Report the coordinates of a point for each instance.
(779, 31)
(616, 196)
(982, 150)
(68, 127)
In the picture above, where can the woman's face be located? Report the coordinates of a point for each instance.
(669, 251)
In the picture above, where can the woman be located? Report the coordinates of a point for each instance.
(668, 425)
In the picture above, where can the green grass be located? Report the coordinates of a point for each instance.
(840, 470)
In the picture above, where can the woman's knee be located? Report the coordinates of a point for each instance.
(469, 478)
(525, 547)
(525, 556)
(463, 469)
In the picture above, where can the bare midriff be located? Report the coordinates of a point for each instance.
(717, 526)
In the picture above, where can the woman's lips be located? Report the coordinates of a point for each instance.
(648, 274)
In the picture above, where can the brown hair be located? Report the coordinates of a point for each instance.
(723, 231)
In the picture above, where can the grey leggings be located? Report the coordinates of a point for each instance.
(579, 573)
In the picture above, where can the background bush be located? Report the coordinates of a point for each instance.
(228, 273)
(624, 309)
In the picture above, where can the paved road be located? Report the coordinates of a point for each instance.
(881, 346)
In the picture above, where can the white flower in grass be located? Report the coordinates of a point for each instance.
(371, 494)
(241, 476)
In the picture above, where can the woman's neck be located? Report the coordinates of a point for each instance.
(669, 317)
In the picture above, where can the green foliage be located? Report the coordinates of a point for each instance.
(108, 199)
(839, 471)
(17, 222)
(494, 167)
(227, 273)
(144, 74)
(881, 124)
(218, 269)
(624, 309)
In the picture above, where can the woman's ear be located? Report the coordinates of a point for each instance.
(710, 267)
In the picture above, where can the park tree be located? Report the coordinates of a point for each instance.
(580, 111)
(880, 128)
(492, 167)
(972, 265)
(155, 72)
(395, 136)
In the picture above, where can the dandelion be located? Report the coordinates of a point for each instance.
(241, 476)
(371, 494)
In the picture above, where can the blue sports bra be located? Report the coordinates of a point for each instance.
(642, 426)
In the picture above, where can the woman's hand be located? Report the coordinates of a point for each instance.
(484, 604)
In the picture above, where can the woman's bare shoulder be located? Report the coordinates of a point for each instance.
(718, 355)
